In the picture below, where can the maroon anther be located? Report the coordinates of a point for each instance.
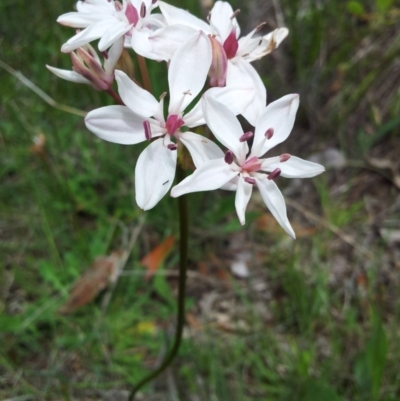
(105, 54)
(246, 136)
(284, 157)
(147, 130)
(172, 146)
(269, 133)
(231, 45)
(275, 174)
(142, 10)
(250, 180)
(229, 157)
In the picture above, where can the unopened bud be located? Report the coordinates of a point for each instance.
(275, 174)
(269, 133)
(246, 136)
(219, 64)
(229, 157)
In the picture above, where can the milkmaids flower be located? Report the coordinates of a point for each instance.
(88, 69)
(143, 119)
(231, 55)
(240, 169)
(110, 20)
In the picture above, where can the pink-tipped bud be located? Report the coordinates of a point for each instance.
(219, 64)
(132, 14)
(275, 174)
(231, 45)
(250, 180)
(147, 129)
(172, 146)
(269, 133)
(284, 157)
(246, 136)
(142, 10)
(229, 157)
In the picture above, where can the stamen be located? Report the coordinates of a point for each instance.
(172, 146)
(235, 14)
(284, 157)
(162, 96)
(258, 27)
(142, 10)
(269, 133)
(118, 5)
(275, 174)
(147, 129)
(209, 16)
(246, 136)
(250, 180)
(229, 157)
(105, 54)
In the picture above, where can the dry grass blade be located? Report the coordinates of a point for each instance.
(22, 78)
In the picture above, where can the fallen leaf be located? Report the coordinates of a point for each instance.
(153, 260)
(99, 276)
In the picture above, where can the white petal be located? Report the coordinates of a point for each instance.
(294, 167)
(195, 116)
(167, 40)
(267, 44)
(116, 124)
(211, 175)
(92, 32)
(200, 148)
(80, 20)
(154, 174)
(231, 185)
(174, 15)
(273, 198)
(114, 54)
(279, 116)
(68, 75)
(235, 98)
(113, 34)
(220, 19)
(188, 71)
(225, 126)
(96, 6)
(242, 73)
(141, 44)
(242, 198)
(136, 98)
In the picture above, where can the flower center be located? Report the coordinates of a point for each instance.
(251, 165)
(132, 14)
(174, 122)
(231, 44)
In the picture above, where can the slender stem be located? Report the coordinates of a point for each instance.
(145, 73)
(183, 250)
(115, 96)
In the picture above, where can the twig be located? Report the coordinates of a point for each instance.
(40, 92)
(335, 229)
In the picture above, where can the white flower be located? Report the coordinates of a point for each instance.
(231, 55)
(88, 69)
(110, 20)
(240, 170)
(143, 119)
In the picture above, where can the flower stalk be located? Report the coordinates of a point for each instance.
(183, 255)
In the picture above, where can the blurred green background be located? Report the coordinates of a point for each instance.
(312, 320)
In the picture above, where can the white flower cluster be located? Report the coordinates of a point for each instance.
(199, 55)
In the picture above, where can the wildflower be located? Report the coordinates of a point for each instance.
(240, 169)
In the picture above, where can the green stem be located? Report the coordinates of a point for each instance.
(183, 250)
(144, 72)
